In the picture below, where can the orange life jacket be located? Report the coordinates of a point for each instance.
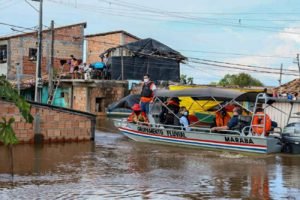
(222, 120)
(147, 92)
(142, 117)
(258, 119)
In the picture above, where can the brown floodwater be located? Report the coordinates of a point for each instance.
(115, 167)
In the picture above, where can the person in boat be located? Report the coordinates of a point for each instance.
(137, 116)
(184, 119)
(259, 122)
(222, 118)
(233, 122)
(169, 114)
(147, 93)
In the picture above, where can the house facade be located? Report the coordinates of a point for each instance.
(98, 43)
(21, 50)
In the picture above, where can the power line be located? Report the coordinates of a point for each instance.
(161, 13)
(168, 13)
(203, 61)
(31, 6)
(16, 26)
(238, 54)
(252, 70)
(243, 65)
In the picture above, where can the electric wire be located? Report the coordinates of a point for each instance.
(195, 60)
(165, 13)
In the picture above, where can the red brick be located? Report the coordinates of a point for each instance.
(69, 127)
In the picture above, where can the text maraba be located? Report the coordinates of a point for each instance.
(175, 133)
(239, 140)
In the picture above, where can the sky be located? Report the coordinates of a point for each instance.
(257, 35)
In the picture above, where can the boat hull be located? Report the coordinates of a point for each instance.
(202, 139)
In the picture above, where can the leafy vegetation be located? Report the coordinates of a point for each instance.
(7, 134)
(241, 80)
(186, 80)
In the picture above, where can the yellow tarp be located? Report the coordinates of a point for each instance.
(201, 105)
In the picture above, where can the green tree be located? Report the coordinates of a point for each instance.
(241, 80)
(7, 134)
(184, 79)
(190, 80)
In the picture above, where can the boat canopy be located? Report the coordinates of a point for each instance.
(219, 94)
(125, 102)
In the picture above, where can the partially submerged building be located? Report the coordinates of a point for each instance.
(133, 60)
(91, 96)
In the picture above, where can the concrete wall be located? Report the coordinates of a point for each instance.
(98, 44)
(56, 124)
(68, 40)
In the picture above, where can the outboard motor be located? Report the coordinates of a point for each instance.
(291, 138)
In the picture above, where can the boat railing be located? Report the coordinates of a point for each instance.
(124, 122)
(245, 132)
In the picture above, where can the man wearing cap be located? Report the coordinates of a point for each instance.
(147, 93)
(232, 122)
(137, 115)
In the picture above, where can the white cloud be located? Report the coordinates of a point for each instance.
(291, 34)
(281, 45)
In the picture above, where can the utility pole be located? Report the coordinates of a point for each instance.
(19, 77)
(122, 39)
(51, 66)
(298, 63)
(38, 78)
(122, 64)
(280, 77)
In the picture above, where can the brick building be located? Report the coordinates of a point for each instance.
(98, 43)
(91, 96)
(22, 49)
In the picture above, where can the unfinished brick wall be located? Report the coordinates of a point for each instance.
(107, 95)
(106, 91)
(98, 44)
(68, 41)
(56, 124)
(80, 98)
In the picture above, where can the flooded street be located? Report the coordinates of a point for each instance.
(114, 167)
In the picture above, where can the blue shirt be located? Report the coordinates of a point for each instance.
(233, 121)
(184, 121)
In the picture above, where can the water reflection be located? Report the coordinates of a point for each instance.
(114, 167)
